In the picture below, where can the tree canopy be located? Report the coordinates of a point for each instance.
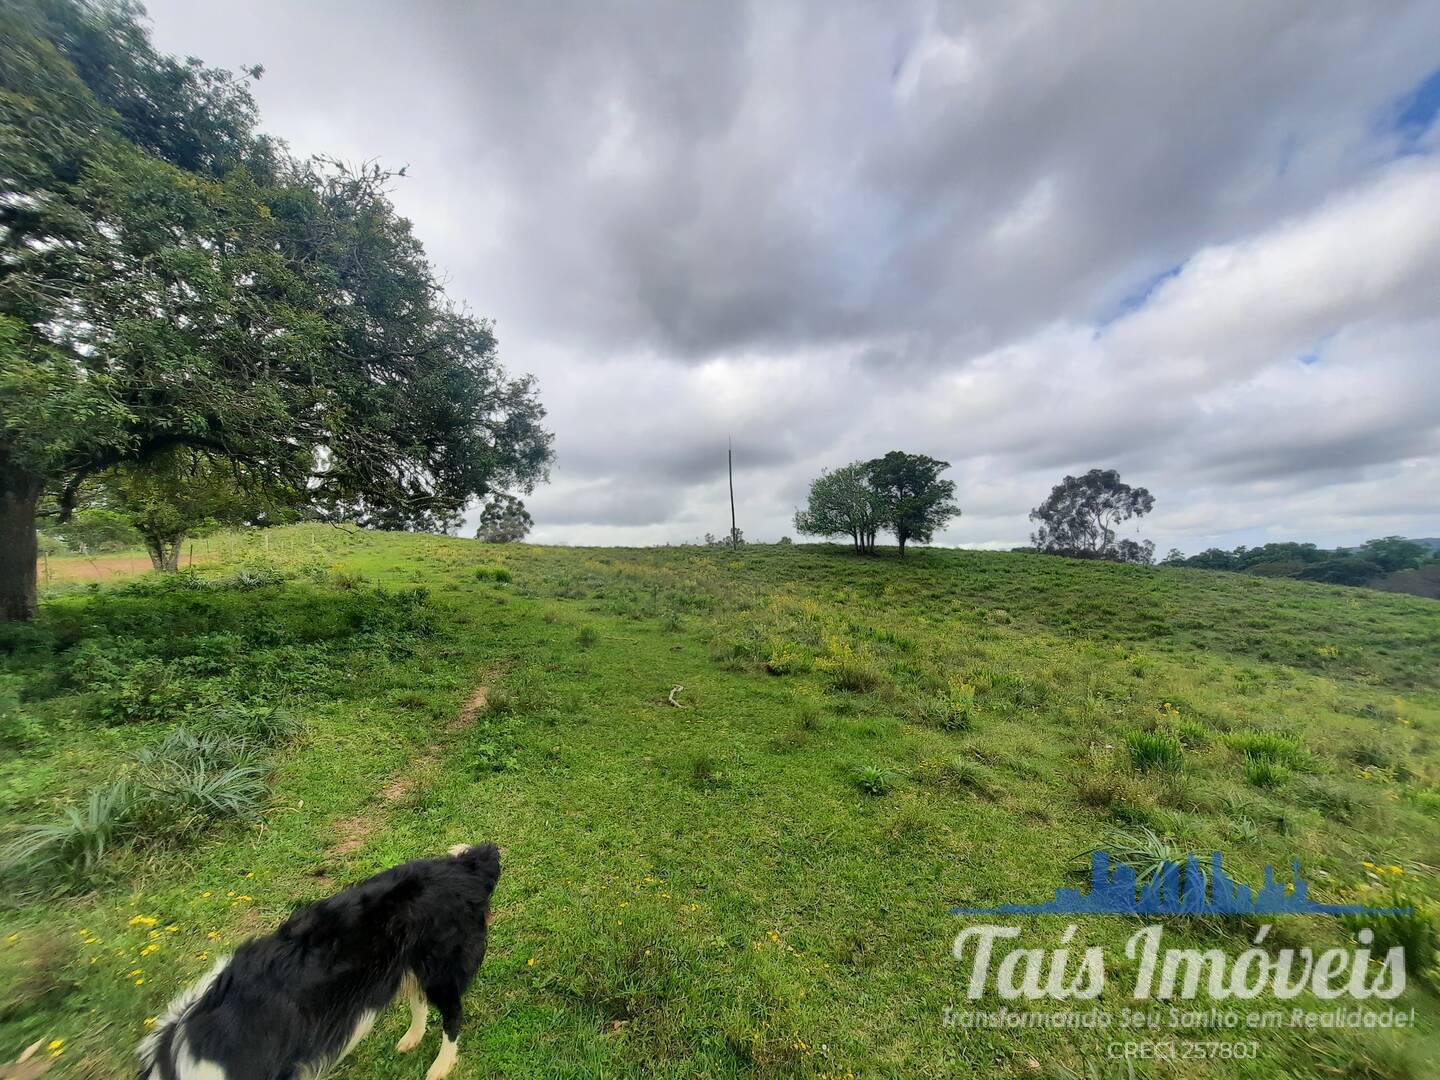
(900, 492)
(1079, 517)
(844, 503)
(169, 279)
(917, 501)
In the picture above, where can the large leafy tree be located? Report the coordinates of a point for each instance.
(171, 281)
(917, 501)
(1080, 515)
(844, 503)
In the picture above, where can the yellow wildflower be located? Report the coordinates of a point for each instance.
(144, 920)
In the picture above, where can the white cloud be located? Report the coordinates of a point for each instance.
(829, 230)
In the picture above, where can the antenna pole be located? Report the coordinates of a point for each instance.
(730, 465)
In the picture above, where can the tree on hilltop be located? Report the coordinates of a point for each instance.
(1080, 515)
(844, 503)
(917, 501)
(503, 520)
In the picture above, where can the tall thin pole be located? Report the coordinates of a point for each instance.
(730, 465)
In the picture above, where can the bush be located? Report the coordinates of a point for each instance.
(1155, 751)
(147, 690)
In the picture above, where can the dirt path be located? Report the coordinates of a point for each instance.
(354, 831)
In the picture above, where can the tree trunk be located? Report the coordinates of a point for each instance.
(165, 552)
(19, 549)
(901, 538)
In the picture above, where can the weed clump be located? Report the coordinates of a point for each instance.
(873, 780)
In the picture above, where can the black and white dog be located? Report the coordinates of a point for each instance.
(290, 1005)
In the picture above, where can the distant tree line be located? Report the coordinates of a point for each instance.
(1365, 565)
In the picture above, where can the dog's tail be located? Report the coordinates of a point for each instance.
(483, 859)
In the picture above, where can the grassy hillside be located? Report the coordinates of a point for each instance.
(755, 883)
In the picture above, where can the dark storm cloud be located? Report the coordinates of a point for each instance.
(1025, 237)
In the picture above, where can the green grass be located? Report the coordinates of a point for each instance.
(755, 883)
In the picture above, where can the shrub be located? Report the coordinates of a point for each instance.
(788, 658)
(17, 727)
(78, 841)
(873, 780)
(147, 690)
(1155, 751)
(251, 577)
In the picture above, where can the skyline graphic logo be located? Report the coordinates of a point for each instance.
(1181, 889)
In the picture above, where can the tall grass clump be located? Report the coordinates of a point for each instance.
(1142, 849)
(1155, 751)
(1270, 747)
(79, 840)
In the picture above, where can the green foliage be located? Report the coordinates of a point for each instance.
(1416, 931)
(1270, 747)
(1155, 751)
(499, 574)
(180, 286)
(503, 520)
(844, 503)
(874, 780)
(1143, 849)
(593, 775)
(587, 636)
(79, 840)
(1081, 513)
(916, 500)
(1265, 773)
(1392, 553)
(95, 530)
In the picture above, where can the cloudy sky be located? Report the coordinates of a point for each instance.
(1199, 243)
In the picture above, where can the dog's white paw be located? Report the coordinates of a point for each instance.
(444, 1061)
(409, 1041)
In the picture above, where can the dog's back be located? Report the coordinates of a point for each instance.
(299, 999)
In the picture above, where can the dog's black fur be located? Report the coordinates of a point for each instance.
(289, 1003)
